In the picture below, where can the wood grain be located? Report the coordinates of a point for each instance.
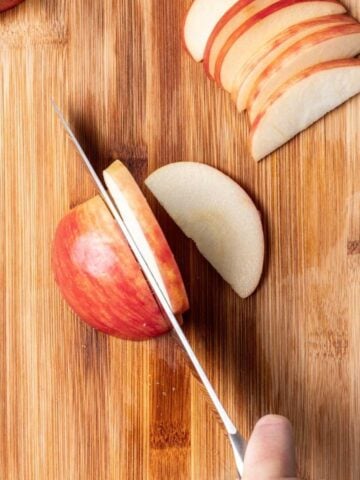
(75, 404)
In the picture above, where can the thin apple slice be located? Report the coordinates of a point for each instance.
(241, 11)
(200, 21)
(249, 37)
(99, 276)
(218, 215)
(334, 43)
(252, 70)
(301, 101)
(146, 231)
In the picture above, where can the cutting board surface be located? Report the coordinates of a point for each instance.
(75, 404)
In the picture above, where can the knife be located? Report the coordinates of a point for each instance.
(237, 442)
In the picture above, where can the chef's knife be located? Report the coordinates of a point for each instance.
(237, 441)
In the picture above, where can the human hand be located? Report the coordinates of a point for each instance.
(270, 454)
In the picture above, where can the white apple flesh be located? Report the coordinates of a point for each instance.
(301, 101)
(218, 215)
(263, 26)
(334, 43)
(262, 59)
(200, 21)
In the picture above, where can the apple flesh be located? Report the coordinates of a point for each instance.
(201, 18)
(7, 4)
(248, 76)
(301, 101)
(144, 228)
(100, 278)
(263, 26)
(334, 43)
(218, 215)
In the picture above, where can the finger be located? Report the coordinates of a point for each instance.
(270, 453)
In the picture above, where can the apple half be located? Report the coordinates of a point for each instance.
(145, 229)
(200, 20)
(218, 215)
(334, 43)
(301, 101)
(262, 59)
(245, 41)
(99, 276)
(7, 4)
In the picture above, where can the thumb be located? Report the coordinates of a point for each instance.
(270, 453)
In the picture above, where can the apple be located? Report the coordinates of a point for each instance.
(218, 215)
(252, 70)
(242, 11)
(100, 278)
(301, 101)
(200, 20)
(336, 42)
(144, 228)
(7, 4)
(266, 24)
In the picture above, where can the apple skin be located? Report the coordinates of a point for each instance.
(7, 4)
(100, 278)
(153, 233)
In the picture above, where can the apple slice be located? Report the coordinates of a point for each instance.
(252, 70)
(242, 11)
(200, 20)
(301, 101)
(99, 276)
(259, 29)
(218, 215)
(334, 43)
(7, 4)
(146, 231)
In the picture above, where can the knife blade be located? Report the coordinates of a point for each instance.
(236, 440)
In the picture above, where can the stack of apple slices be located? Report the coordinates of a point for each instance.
(291, 60)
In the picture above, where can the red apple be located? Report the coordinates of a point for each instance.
(7, 4)
(99, 276)
(145, 229)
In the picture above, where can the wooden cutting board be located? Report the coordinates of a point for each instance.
(75, 404)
